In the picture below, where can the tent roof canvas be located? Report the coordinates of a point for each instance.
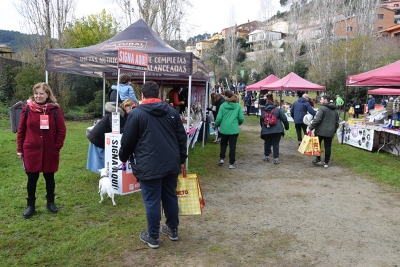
(257, 86)
(384, 91)
(165, 63)
(385, 76)
(293, 82)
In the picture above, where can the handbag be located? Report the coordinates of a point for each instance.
(190, 196)
(351, 111)
(309, 146)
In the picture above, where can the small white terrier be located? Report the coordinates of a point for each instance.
(105, 186)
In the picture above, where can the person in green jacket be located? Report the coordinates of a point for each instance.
(230, 116)
(339, 103)
(325, 123)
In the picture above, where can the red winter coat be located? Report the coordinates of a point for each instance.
(41, 148)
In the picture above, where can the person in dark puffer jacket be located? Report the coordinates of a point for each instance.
(155, 140)
(272, 135)
(325, 123)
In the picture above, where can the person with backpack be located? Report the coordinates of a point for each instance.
(272, 130)
(229, 117)
(40, 137)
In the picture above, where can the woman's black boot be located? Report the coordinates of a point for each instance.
(30, 208)
(50, 204)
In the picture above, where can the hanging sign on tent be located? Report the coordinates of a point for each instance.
(132, 60)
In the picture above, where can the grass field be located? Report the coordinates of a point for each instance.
(86, 233)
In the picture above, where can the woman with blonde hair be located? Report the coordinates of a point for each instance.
(96, 136)
(41, 135)
(229, 117)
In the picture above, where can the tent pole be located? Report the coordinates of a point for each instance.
(47, 77)
(144, 77)
(344, 117)
(104, 93)
(188, 119)
(116, 100)
(205, 113)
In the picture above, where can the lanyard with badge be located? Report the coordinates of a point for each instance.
(44, 120)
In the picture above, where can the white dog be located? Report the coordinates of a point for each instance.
(105, 186)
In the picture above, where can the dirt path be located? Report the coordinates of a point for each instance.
(291, 214)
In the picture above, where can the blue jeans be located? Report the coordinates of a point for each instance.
(156, 191)
(232, 140)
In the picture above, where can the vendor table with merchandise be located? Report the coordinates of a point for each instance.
(371, 136)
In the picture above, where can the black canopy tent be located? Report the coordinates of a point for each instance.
(164, 62)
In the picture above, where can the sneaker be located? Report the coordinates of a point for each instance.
(221, 161)
(266, 158)
(325, 165)
(276, 161)
(317, 162)
(171, 233)
(153, 242)
(232, 166)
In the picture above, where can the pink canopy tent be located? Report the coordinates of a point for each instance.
(293, 82)
(257, 86)
(385, 76)
(384, 91)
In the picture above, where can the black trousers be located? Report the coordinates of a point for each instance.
(327, 147)
(272, 140)
(232, 140)
(32, 182)
(299, 127)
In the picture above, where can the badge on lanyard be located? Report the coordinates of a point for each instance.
(44, 122)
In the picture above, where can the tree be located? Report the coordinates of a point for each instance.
(165, 17)
(8, 84)
(90, 30)
(46, 18)
(27, 77)
(230, 44)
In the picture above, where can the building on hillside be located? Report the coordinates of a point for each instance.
(393, 31)
(350, 26)
(6, 51)
(6, 58)
(202, 46)
(263, 39)
(215, 38)
(241, 30)
(393, 5)
(279, 25)
(191, 48)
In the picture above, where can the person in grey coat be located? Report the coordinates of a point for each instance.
(272, 135)
(325, 123)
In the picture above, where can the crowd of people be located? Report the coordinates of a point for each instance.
(155, 139)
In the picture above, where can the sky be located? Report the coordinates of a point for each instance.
(206, 16)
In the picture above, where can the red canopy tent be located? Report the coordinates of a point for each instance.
(257, 86)
(384, 91)
(385, 76)
(293, 82)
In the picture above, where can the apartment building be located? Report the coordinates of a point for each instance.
(393, 5)
(349, 26)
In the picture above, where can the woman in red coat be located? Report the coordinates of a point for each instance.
(41, 136)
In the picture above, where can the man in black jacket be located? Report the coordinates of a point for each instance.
(155, 140)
